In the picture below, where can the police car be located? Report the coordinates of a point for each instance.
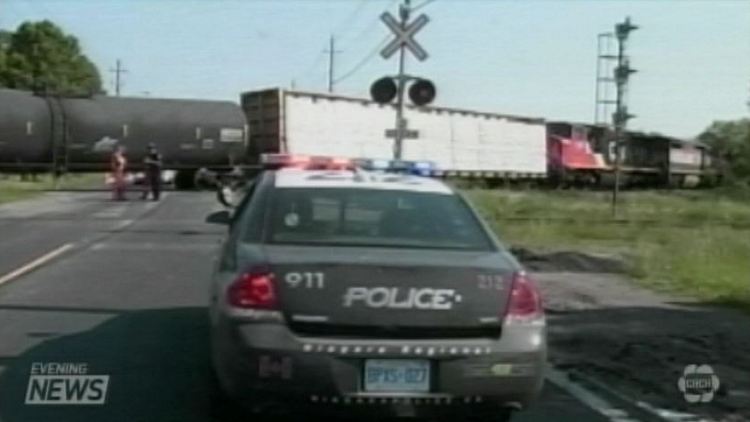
(340, 289)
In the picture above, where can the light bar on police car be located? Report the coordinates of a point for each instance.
(305, 162)
(423, 168)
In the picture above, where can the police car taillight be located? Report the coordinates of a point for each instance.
(254, 289)
(525, 302)
(306, 162)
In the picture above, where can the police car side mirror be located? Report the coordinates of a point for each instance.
(222, 217)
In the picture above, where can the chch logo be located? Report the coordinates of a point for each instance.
(698, 383)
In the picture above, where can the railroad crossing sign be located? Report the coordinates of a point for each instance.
(406, 133)
(404, 36)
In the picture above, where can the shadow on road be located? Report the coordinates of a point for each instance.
(157, 360)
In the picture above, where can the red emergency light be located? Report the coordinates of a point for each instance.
(305, 162)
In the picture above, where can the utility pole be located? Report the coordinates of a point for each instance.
(404, 12)
(331, 54)
(621, 116)
(118, 70)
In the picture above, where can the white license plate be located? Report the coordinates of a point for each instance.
(397, 375)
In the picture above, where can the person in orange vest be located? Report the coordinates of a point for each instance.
(118, 164)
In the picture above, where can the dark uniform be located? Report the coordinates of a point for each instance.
(152, 168)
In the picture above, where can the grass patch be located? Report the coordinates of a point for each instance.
(12, 188)
(690, 242)
(15, 192)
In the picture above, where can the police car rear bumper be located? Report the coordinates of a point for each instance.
(268, 360)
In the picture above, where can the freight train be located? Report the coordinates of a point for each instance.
(78, 134)
(583, 154)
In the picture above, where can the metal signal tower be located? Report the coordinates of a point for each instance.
(605, 83)
(621, 116)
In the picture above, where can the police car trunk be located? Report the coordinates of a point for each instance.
(383, 256)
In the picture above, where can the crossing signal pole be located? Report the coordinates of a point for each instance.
(404, 12)
(422, 91)
(621, 116)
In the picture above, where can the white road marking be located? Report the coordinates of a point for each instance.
(110, 213)
(38, 262)
(599, 404)
(672, 415)
(655, 412)
(151, 246)
(122, 225)
(587, 397)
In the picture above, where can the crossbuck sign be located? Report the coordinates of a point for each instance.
(404, 36)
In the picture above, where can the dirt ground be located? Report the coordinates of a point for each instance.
(639, 342)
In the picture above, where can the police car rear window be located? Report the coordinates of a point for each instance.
(371, 217)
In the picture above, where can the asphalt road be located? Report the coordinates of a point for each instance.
(122, 287)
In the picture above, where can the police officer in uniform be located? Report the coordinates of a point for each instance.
(152, 167)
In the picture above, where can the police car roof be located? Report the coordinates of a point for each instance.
(296, 178)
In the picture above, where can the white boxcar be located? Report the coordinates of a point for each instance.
(459, 142)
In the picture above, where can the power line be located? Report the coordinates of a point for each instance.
(330, 51)
(426, 2)
(350, 18)
(365, 59)
(368, 29)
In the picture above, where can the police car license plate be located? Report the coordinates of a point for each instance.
(397, 375)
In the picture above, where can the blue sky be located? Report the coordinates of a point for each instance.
(534, 58)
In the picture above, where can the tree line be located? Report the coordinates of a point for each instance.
(40, 57)
(730, 146)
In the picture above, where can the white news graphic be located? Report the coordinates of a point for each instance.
(698, 383)
(65, 383)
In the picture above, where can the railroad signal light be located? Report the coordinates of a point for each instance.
(384, 90)
(623, 72)
(622, 115)
(422, 92)
(622, 30)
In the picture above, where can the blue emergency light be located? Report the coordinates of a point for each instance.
(421, 168)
